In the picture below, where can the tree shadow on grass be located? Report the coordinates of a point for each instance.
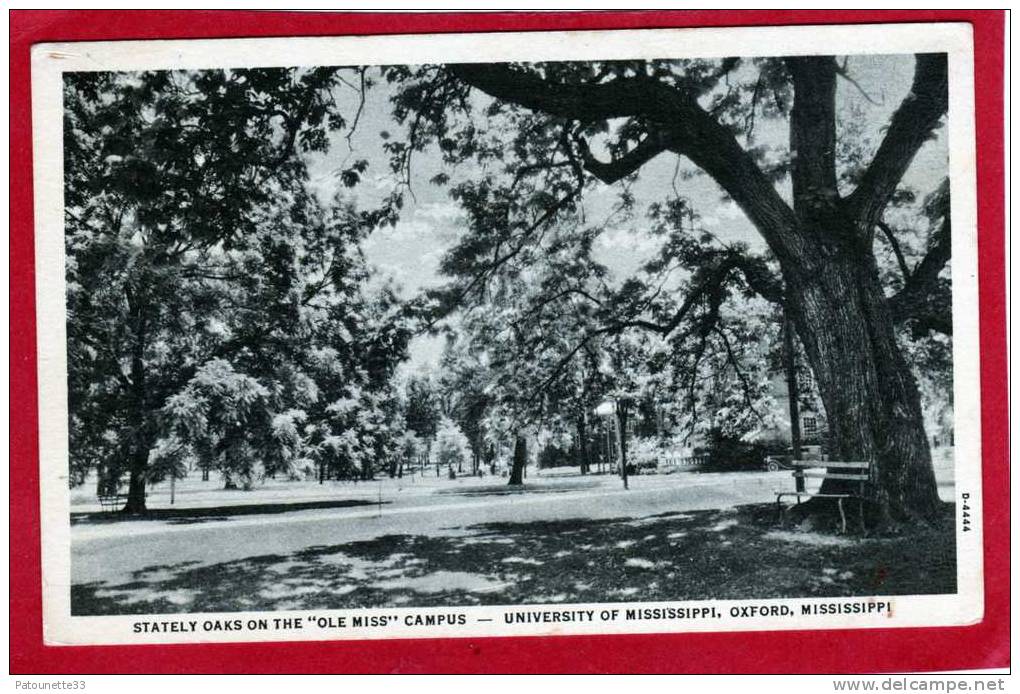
(503, 489)
(729, 554)
(180, 516)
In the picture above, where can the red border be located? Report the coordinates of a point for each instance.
(985, 645)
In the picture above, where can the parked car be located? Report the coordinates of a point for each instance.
(643, 466)
(781, 461)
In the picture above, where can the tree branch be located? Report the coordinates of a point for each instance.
(890, 237)
(569, 291)
(745, 385)
(711, 280)
(911, 126)
(349, 136)
(921, 298)
(813, 131)
(457, 294)
(845, 74)
(759, 277)
(588, 103)
(625, 165)
(671, 112)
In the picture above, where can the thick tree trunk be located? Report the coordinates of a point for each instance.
(136, 486)
(141, 443)
(520, 461)
(871, 400)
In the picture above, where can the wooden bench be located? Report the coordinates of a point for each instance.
(111, 503)
(848, 470)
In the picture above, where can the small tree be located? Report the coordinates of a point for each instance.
(409, 448)
(452, 447)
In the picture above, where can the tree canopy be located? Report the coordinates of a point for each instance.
(214, 290)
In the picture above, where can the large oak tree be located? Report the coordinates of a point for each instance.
(565, 127)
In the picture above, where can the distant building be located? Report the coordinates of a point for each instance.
(813, 426)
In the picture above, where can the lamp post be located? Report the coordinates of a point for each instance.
(614, 414)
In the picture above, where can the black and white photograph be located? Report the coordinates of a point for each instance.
(599, 332)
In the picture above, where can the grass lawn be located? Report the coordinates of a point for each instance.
(736, 553)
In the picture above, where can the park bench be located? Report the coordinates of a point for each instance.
(111, 503)
(849, 470)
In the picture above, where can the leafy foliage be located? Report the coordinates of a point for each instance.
(452, 448)
(212, 295)
(217, 311)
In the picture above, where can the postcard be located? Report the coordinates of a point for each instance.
(515, 334)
